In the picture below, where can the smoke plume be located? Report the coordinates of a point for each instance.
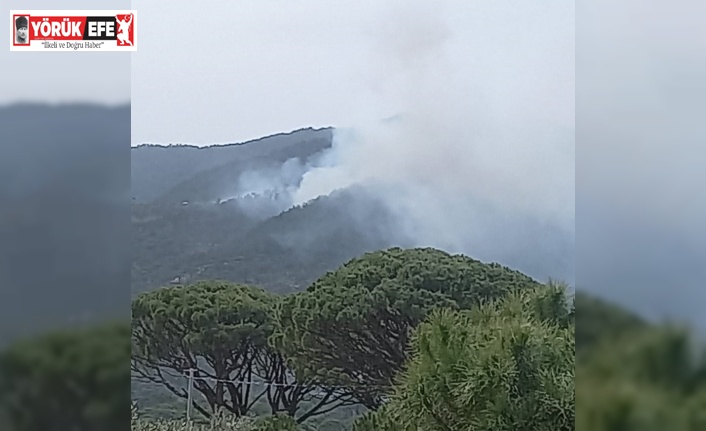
(474, 161)
(477, 155)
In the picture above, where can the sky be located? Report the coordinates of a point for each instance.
(235, 71)
(60, 77)
(640, 202)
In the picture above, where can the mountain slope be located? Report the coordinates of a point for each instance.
(282, 253)
(182, 172)
(65, 193)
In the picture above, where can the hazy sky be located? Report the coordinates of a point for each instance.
(56, 77)
(640, 202)
(233, 71)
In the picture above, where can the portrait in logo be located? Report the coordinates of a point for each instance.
(124, 29)
(22, 30)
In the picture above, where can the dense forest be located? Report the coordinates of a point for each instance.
(399, 339)
(282, 253)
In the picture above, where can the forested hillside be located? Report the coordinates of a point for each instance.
(283, 253)
(220, 213)
(183, 172)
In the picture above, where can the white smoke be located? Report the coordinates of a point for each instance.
(479, 156)
(265, 192)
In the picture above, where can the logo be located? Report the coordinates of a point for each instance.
(73, 30)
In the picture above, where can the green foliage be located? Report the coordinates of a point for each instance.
(434, 342)
(363, 313)
(378, 420)
(435, 346)
(505, 366)
(206, 318)
(219, 329)
(464, 280)
(662, 356)
(598, 320)
(651, 379)
(277, 423)
(70, 380)
(219, 422)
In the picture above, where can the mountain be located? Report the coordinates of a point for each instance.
(64, 193)
(183, 172)
(223, 212)
(283, 253)
(226, 211)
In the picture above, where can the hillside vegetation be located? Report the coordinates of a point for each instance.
(176, 173)
(216, 213)
(312, 343)
(499, 356)
(283, 253)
